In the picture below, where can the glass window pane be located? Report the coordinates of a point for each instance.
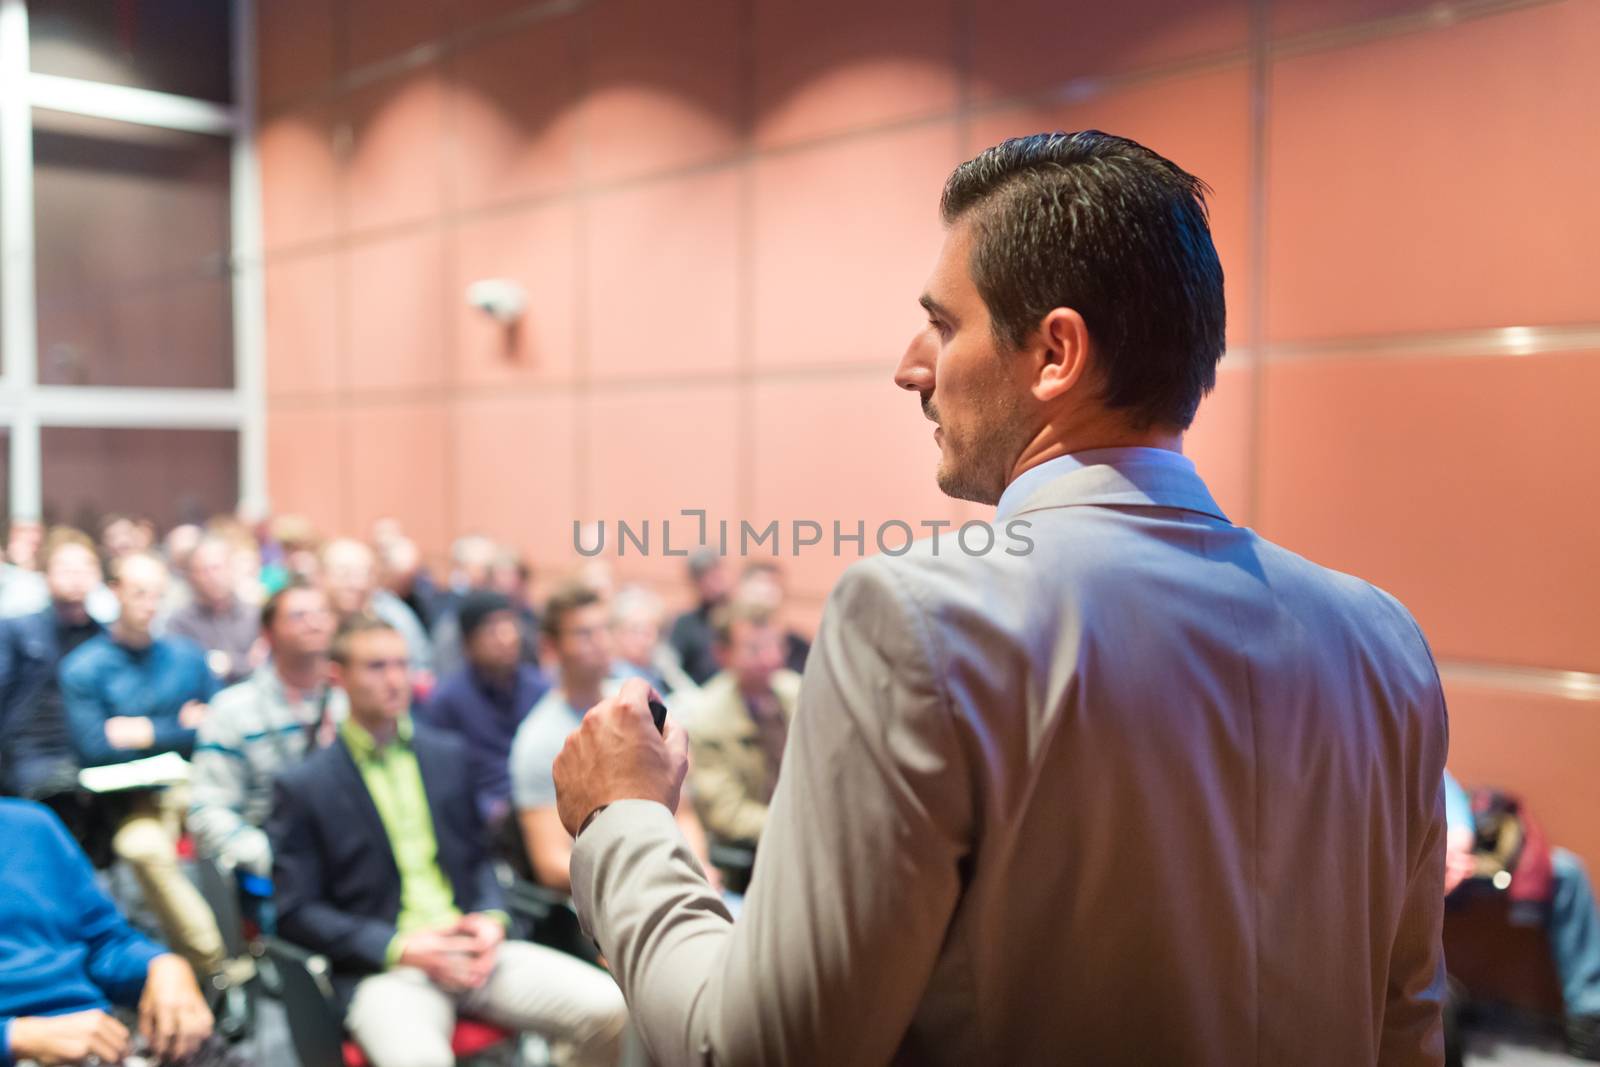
(167, 476)
(172, 46)
(132, 248)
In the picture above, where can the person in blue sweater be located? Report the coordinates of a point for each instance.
(128, 694)
(67, 957)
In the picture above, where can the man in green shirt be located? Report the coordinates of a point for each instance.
(380, 863)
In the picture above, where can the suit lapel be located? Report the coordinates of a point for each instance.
(355, 788)
(435, 773)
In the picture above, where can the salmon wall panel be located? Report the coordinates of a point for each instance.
(306, 464)
(652, 453)
(303, 306)
(514, 475)
(1456, 483)
(664, 295)
(1437, 181)
(664, 91)
(844, 238)
(1021, 46)
(825, 66)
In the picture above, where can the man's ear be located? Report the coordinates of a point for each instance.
(1065, 353)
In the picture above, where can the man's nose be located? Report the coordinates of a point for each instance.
(916, 365)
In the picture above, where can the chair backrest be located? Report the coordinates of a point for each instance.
(314, 1023)
(552, 918)
(221, 894)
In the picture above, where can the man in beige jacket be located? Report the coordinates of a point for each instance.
(741, 721)
(1130, 786)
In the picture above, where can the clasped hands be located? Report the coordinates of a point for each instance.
(458, 957)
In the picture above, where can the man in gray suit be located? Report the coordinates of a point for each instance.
(1155, 791)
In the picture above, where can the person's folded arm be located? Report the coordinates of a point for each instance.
(118, 955)
(86, 715)
(858, 872)
(217, 788)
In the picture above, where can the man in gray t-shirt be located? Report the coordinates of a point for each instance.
(576, 631)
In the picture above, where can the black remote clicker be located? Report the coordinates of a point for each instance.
(658, 712)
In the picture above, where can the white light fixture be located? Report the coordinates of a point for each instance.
(501, 299)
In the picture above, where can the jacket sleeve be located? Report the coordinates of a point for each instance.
(118, 957)
(86, 714)
(1413, 1022)
(858, 875)
(299, 884)
(8, 670)
(217, 789)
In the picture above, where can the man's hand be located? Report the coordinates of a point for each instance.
(173, 1016)
(192, 714)
(486, 931)
(63, 1039)
(618, 755)
(449, 957)
(130, 731)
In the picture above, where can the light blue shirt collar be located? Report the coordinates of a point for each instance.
(1031, 480)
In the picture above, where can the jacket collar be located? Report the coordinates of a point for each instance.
(1125, 478)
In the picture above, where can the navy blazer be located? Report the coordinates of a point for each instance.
(335, 882)
(30, 655)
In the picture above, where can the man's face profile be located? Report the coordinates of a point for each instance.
(971, 389)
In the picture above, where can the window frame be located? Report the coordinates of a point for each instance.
(26, 407)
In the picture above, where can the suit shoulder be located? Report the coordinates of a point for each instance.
(308, 775)
(81, 663)
(443, 742)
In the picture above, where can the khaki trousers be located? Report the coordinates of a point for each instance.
(147, 840)
(401, 1019)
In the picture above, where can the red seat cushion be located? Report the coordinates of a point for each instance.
(470, 1038)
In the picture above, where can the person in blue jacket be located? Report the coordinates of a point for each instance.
(1572, 921)
(67, 957)
(128, 695)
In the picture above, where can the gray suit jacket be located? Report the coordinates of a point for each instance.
(1157, 792)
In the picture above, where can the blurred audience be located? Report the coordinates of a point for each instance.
(740, 723)
(127, 695)
(24, 537)
(67, 958)
(37, 759)
(292, 550)
(691, 635)
(577, 638)
(1569, 914)
(27, 592)
(485, 700)
(123, 535)
(637, 618)
(215, 618)
(577, 634)
(761, 582)
(260, 727)
(507, 574)
(400, 571)
(405, 904)
(350, 576)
